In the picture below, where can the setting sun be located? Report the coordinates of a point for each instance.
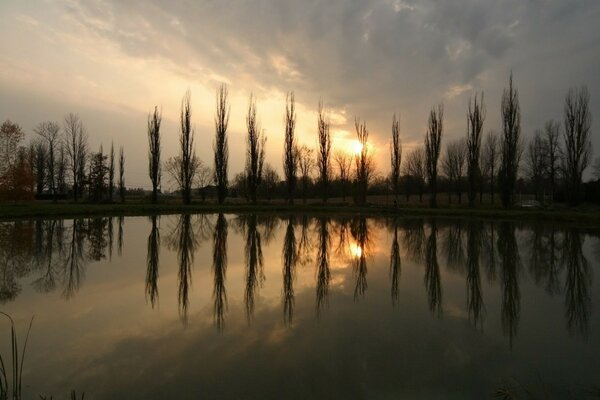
(357, 147)
(355, 250)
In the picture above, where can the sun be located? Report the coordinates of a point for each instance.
(357, 147)
(355, 250)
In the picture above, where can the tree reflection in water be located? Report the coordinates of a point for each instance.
(254, 263)
(510, 262)
(289, 255)
(360, 233)
(432, 279)
(323, 272)
(474, 297)
(395, 264)
(152, 259)
(577, 284)
(219, 267)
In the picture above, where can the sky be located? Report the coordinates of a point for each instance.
(112, 62)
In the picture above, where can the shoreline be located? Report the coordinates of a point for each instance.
(9, 212)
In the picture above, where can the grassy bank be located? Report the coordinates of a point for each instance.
(581, 216)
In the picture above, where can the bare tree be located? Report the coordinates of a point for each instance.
(40, 156)
(306, 162)
(323, 161)
(475, 118)
(255, 154)
(363, 162)
(173, 168)
(415, 172)
(61, 169)
(122, 174)
(343, 161)
(49, 132)
(188, 161)
(290, 155)
(221, 144)
(204, 176)
(511, 147)
(154, 165)
(490, 162)
(596, 168)
(577, 137)
(453, 166)
(536, 162)
(433, 141)
(552, 132)
(11, 135)
(111, 171)
(395, 157)
(76, 141)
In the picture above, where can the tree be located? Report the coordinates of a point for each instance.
(204, 177)
(173, 168)
(415, 172)
(122, 174)
(49, 132)
(290, 154)
(61, 169)
(187, 156)
(343, 161)
(577, 138)
(16, 183)
(39, 165)
(596, 168)
(490, 159)
(255, 153)
(453, 165)
(433, 141)
(323, 160)
(154, 165)
(76, 142)
(536, 161)
(306, 163)
(270, 181)
(395, 157)
(363, 162)
(510, 154)
(11, 135)
(475, 118)
(98, 174)
(111, 172)
(221, 143)
(552, 132)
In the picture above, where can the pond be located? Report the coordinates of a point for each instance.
(285, 307)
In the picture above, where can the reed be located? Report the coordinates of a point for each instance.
(16, 363)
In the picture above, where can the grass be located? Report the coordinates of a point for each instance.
(585, 215)
(16, 363)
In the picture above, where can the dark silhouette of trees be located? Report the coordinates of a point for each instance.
(221, 143)
(395, 264)
(323, 271)
(97, 176)
(577, 284)
(254, 263)
(510, 153)
(363, 163)
(536, 162)
(188, 163)
(122, 174)
(395, 157)
(453, 165)
(360, 232)
(219, 267)
(111, 172)
(290, 151)
(152, 260)
(11, 135)
(76, 143)
(490, 159)
(154, 165)
(343, 162)
(49, 132)
(475, 118)
(433, 141)
(323, 160)
(474, 294)
(577, 138)
(16, 173)
(432, 278)
(415, 172)
(40, 156)
(510, 261)
(61, 169)
(552, 132)
(255, 153)
(306, 163)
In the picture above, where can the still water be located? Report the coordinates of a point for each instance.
(258, 306)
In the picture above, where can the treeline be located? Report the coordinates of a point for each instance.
(554, 163)
(57, 164)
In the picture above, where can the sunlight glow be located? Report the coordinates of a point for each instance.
(355, 250)
(357, 147)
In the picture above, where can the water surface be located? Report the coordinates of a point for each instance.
(258, 306)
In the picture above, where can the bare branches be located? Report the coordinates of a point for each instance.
(454, 163)
(154, 165)
(475, 118)
(490, 159)
(433, 141)
(255, 153)
(511, 144)
(415, 171)
(324, 139)
(290, 154)
(395, 156)
(363, 162)
(49, 132)
(552, 132)
(343, 163)
(221, 143)
(122, 174)
(306, 162)
(188, 162)
(577, 137)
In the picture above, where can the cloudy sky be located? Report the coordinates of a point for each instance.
(112, 61)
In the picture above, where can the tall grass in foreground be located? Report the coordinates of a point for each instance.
(17, 365)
